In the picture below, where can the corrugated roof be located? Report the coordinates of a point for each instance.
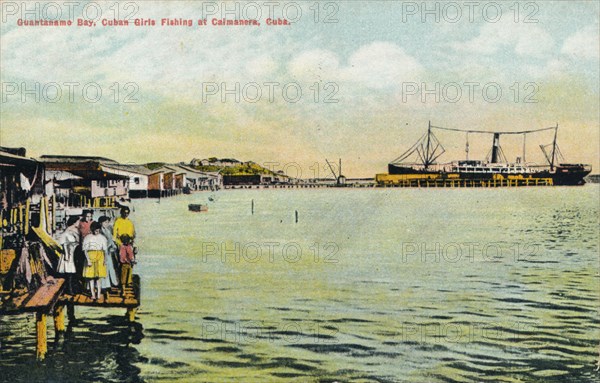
(164, 169)
(77, 159)
(94, 174)
(139, 169)
(9, 159)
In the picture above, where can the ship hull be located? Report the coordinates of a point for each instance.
(399, 169)
(564, 175)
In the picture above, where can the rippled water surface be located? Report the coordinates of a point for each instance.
(379, 285)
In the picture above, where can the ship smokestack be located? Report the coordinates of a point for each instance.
(495, 148)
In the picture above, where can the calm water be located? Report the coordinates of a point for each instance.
(386, 285)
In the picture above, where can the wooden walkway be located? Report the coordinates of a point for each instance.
(50, 299)
(43, 299)
(130, 298)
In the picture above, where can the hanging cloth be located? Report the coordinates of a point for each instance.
(24, 265)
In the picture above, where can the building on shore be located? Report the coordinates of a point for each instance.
(197, 180)
(219, 162)
(28, 218)
(139, 177)
(179, 177)
(165, 182)
(254, 180)
(32, 217)
(21, 187)
(80, 181)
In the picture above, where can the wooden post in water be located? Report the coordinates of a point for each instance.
(42, 336)
(296, 216)
(71, 312)
(59, 318)
(131, 314)
(252, 207)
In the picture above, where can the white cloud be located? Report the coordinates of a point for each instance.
(524, 39)
(381, 64)
(261, 66)
(162, 60)
(377, 65)
(583, 44)
(553, 68)
(313, 65)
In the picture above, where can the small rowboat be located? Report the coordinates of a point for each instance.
(196, 207)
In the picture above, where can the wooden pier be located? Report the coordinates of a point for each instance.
(50, 299)
(435, 182)
(130, 300)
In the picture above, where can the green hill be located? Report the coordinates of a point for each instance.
(248, 168)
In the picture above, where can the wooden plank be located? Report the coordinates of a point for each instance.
(19, 300)
(131, 298)
(46, 296)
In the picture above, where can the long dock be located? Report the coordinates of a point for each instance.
(385, 180)
(50, 299)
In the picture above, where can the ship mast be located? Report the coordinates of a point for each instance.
(428, 148)
(524, 146)
(554, 148)
(427, 162)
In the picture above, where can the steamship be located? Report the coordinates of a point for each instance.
(428, 149)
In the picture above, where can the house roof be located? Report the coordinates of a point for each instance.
(92, 174)
(9, 159)
(74, 159)
(181, 169)
(170, 169)
(139, 169)
(16, 151)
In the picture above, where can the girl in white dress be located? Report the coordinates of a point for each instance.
(95, 248)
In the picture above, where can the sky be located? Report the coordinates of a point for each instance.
(356, 80)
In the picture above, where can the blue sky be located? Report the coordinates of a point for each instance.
(369, 57)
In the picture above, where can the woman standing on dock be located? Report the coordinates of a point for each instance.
(111, 279)
(123, 226)
(85, 223)
(69, 241)
(95, 248)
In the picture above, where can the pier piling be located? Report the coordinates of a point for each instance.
(71, 311)
(59, 319)
(42, 335)
(130, 315)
